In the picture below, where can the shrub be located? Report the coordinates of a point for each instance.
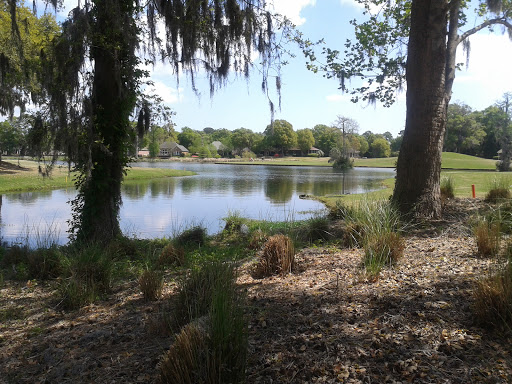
(171, 255)
(151, 284)
(234, 222)
(278, 257)
(493, 300)
(447, 188)
(498, 190)
(193, 236)
(488, 238)
(248, 155)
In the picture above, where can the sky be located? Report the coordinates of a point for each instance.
(309, 99)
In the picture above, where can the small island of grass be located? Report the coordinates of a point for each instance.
(23, 176)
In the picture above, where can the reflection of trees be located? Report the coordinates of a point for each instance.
(27, 197)
(135, 190)
(189, 185)
(164, 187)
(279, 190)
(241, 186)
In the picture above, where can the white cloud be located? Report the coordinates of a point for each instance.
(488, 75)
(352, 3)
(168, 94)
(292, 9)
(336, 98)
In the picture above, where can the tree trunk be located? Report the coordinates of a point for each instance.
(113, 98)
(417, 188)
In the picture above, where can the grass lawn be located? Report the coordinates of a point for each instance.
(462, 180)
(449, 161)
(25, 177)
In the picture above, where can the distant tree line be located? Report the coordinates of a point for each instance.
(277, 138)
(480, 133)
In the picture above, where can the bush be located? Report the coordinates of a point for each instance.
(447, 188)
(151, 284)
(248, 155)
(234, 222)
(278, 257)
(488, 238)
(193, 236)
(493, 300)
(171, 256)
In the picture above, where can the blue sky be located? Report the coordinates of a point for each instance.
(309, 99)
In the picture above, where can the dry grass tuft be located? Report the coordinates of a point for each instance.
(182, 364)
(278, 257)
(171, 256)
(493, 300)
(151, 284)
(257, 239)
(488, 238)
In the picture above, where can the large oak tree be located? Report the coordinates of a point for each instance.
(415, 41)
(94, 81)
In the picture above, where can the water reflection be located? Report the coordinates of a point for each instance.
(165, 206)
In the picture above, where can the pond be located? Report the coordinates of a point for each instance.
(165, 207)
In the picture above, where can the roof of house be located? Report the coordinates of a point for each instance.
(218, 145)
(171, 145)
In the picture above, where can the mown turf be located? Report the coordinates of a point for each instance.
(25, 176)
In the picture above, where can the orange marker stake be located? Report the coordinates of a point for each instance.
(473, 190)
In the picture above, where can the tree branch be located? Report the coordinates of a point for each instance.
(502, 21)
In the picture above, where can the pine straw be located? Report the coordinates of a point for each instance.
(324, 324)
(415, 324)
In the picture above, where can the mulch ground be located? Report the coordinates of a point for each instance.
(326, 323)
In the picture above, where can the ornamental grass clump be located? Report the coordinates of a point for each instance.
(151, 284)
(316, 228)
(493, 300)
(381, 250)
(191, 237)
(277, 257)
(87, 278)
(196, 290)
(488, 238)
(212, 346)
(447, 188)
(499, 190)
(377, 227)
(171, 255)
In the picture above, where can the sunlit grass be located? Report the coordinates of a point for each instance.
(27, 178)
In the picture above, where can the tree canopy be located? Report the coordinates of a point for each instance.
(91, 77)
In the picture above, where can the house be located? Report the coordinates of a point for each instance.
(143, 152)
(170, 148)
(297, 152)
(219, 146)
